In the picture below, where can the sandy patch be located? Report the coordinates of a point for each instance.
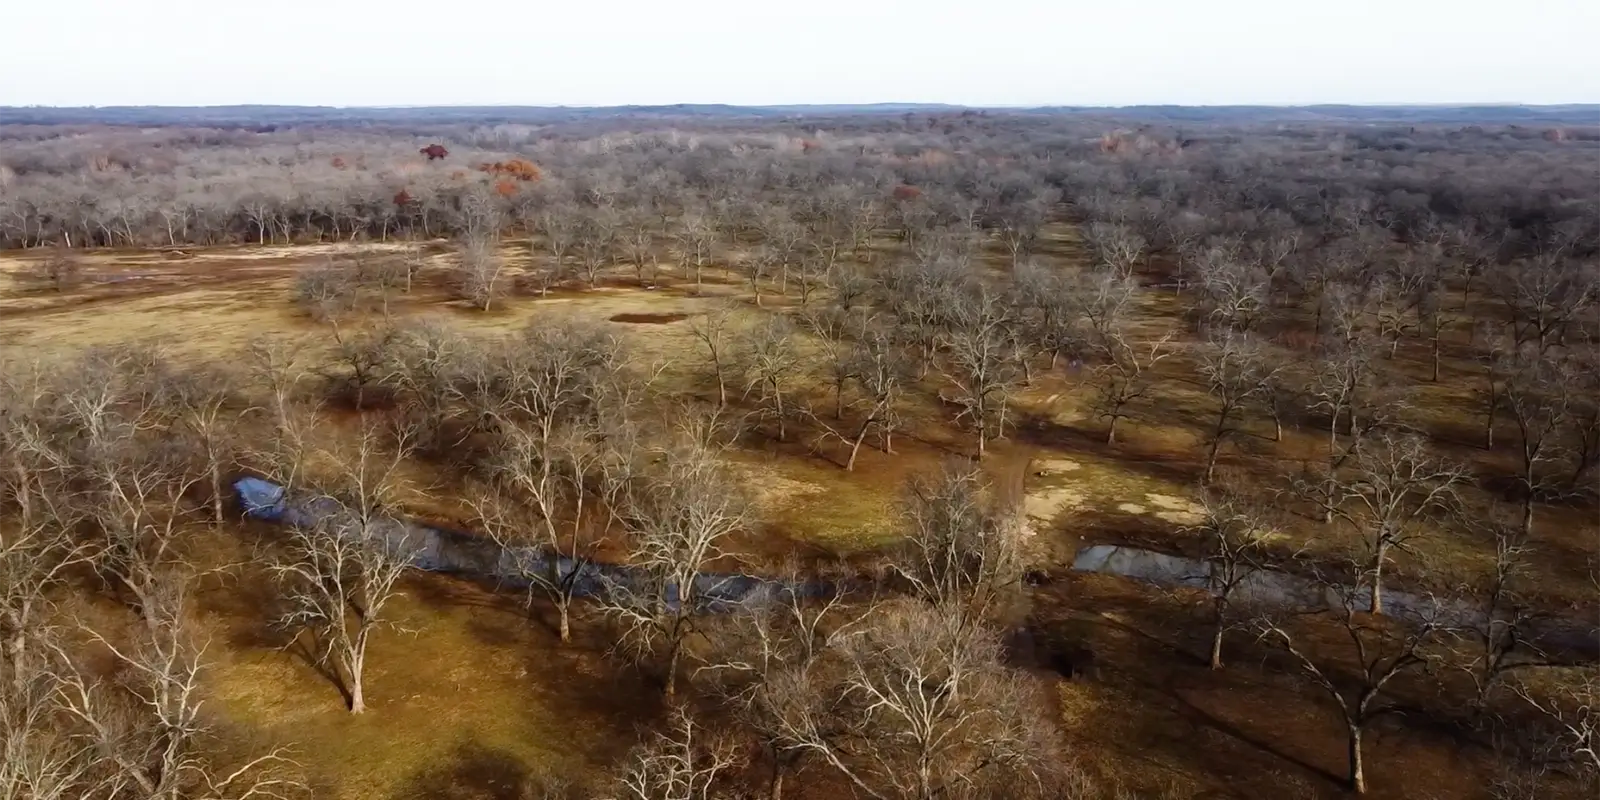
(1132, 508)
(1176, 510)
(1055, 466)
(1045, 504)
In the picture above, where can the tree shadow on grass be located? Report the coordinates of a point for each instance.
(476, 772)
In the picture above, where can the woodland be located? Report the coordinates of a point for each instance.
(904, 452)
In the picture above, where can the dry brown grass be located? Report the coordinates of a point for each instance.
(477, 690)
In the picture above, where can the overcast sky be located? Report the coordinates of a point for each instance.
(977, 52)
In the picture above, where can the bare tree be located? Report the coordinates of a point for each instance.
(1117, 247)
(1343, 386)
(478, 272)
(557, 428)
(694, 238)
(596, 243)
(882, 372)
(679, 517)
(35, 553)
(209, 403)
(1545, 295)
(981, 352)
(684, 762)
(1233, 289)
(1394, 493)
(39, 759)
(1383, 650)
(149, 731)
(770, 363)
(763, 657)
(712, 330)
(638, 239)
(1236, 373)
(963, 548)
(918, 706)
(1126, 374)
(1497, 642)
(1536, 391)
(1233, 535)
(340, 571)
(1572, 711)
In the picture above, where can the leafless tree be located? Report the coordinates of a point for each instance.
(917, 705)
(1497, 645)
(559, 426)
(596, 243)
(209, 404)
(1053, 321)
(694, 239)
(1536, 392)
(1126, 373)
(1233, 290)
(963, 547)
(479, 270)
(1236, 373)
(1383, 650)
(1117, 248)
(557, 224)
(149, 730)
(882, 372)
(638, 242)
(684, 762)
(340, 571)
(770, 362)
(1343, 386)
(1234, 533)
(36, 550)
(982, 362)
(762, 659)
(833, 330)
(712, 331)
(1395, 492)
(679, 517)
(39, 759)
(1572, 710)
(1545, 295)
(362, 362)
(330, 292)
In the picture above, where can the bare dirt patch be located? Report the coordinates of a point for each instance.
(648, 319)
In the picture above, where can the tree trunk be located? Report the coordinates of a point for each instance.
(1211, 457)
(1216, 635)
(358, 702)
(566, 623)
(16, 655)
(1358, 775)
(775, 788)
(861, 436)
(672, 662)
(1376, 606)
(1527, 510)
(216, 492)
(1111, 431)
(1435, 377)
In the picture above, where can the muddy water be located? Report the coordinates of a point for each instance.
(440, 550)
(1273, 589)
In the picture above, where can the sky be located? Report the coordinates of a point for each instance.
(751, 52)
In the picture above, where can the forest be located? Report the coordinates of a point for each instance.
(900, 452)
